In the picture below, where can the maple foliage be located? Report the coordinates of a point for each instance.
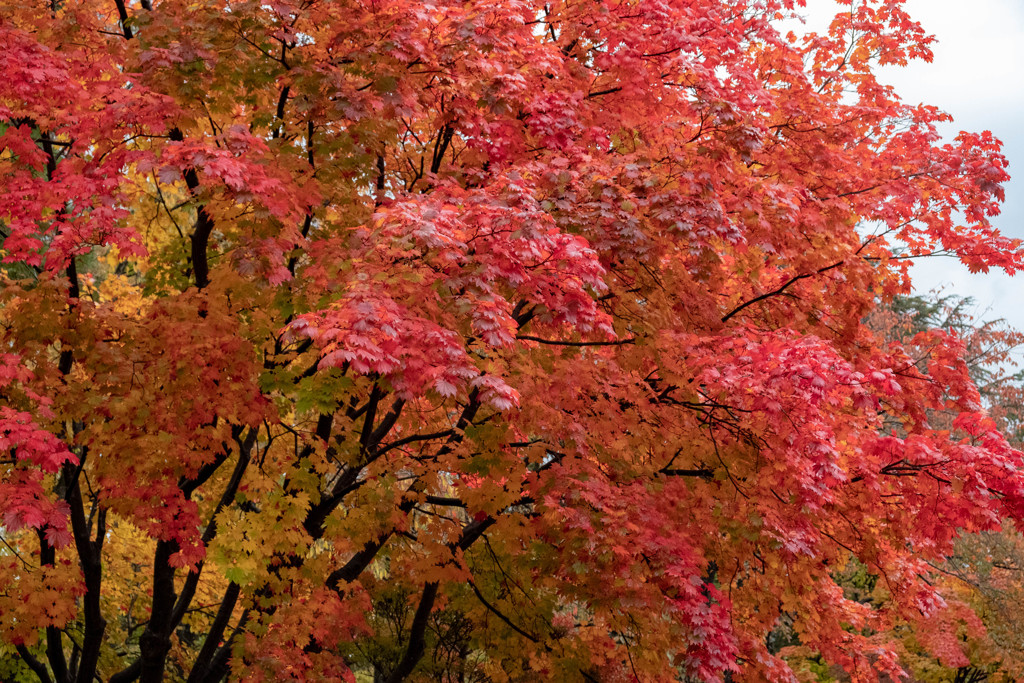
(980, 578)
(498, 340)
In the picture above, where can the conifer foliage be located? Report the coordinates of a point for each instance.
(500, 340)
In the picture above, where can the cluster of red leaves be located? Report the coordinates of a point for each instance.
(24, 499)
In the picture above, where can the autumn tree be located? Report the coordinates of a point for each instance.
(980, 580)
(984, 574)
(504, 340)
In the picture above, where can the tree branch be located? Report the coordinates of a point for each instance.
(780, 290)
(155, 641)
(122, 16)
(204, 660)
(414, 650)
(556, 342)
(494, 610)
(204, 224)
(38, 668)
(703, 473)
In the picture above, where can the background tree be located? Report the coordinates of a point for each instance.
(478, 341)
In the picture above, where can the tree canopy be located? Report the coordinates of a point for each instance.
(500, 340)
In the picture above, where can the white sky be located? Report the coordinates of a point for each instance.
(977, 76)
